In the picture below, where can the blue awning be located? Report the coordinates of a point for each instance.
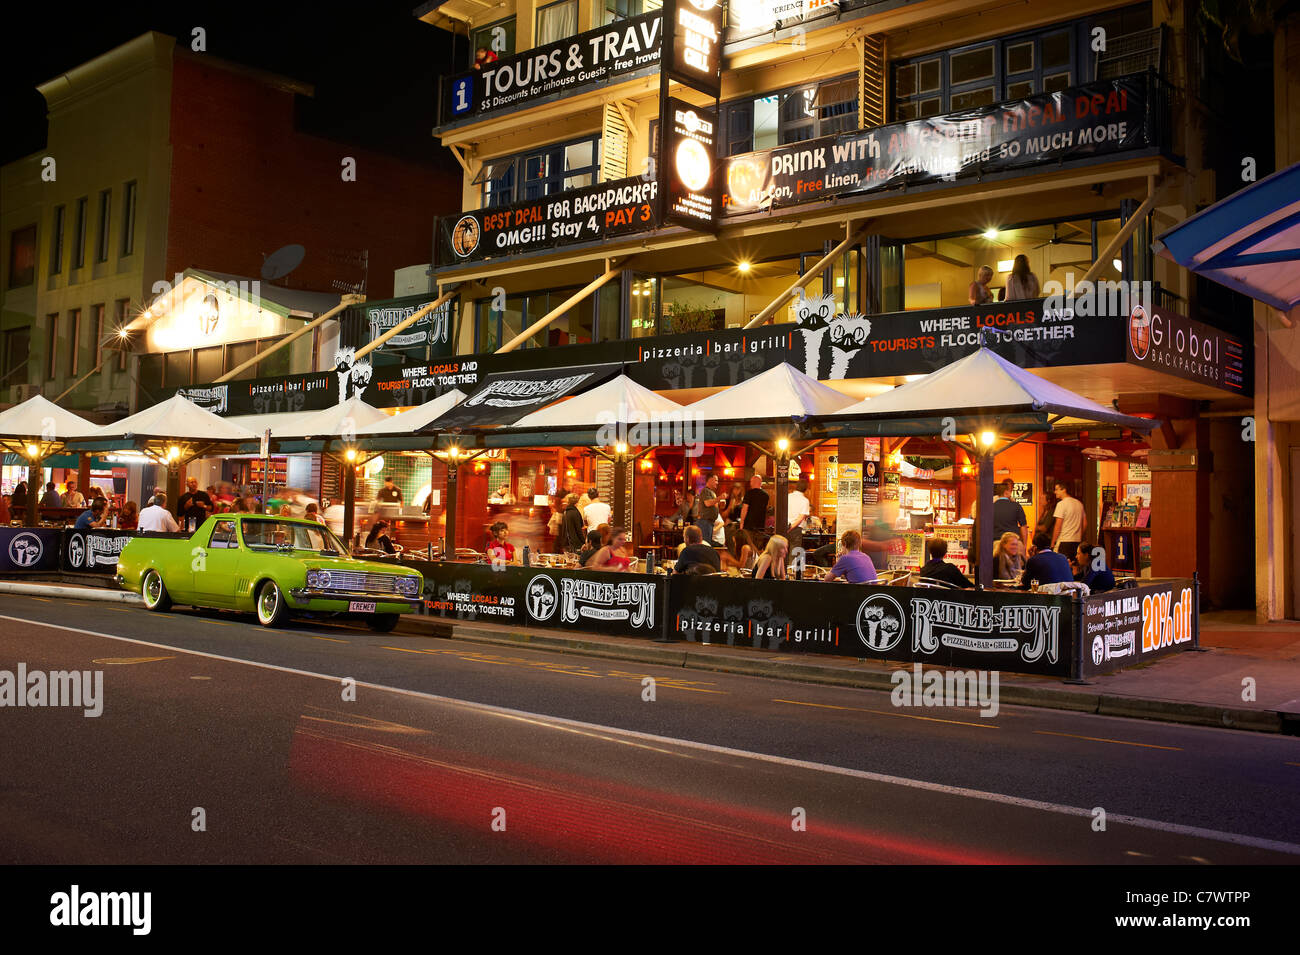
(1249, 242)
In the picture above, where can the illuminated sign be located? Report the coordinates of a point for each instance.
(695, 53)
(688, 148)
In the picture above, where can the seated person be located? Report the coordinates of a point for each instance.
(378, 538)
(594, 543)
(1008, 561)
(498, 547)
(1098, 580)
(696, 552)
(936, 548)
(1045, 566)
(824, 556)
(854, 565)
(94, 516)
(611, 556)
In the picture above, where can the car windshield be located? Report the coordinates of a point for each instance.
(260, 533)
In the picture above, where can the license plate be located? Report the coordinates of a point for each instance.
(361, 606)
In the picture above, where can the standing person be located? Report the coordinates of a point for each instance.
(1045, 566)
(979, 292)
(1067, 531)
(1022, 283)
(708, 508)
(390, 493)
(72, 497)
(571, 526)
(156, 518)
(797, 511)
(771, 564)
(686, 512)
(312, 513)
(1008, 516)
(194, 505)
(586, 498)
(51, 496)
(753, 510)
(854, 564)
(597, 512)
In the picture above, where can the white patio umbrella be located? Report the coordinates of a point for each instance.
(618, 400)
(412, 419)
(779, 392)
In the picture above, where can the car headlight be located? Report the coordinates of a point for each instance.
(409, 585)
(318, 579)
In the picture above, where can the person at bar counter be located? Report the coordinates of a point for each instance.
(72, 497)
(1092, 570)
(390, 493)
(194, 505)
(1045, 566)
(611, 556)
(93, 516)
(571, 533)
(51, 496)
(686, 512)
(1008, 516)
(156, 519)
(499, 548)
(696, 554)
(936, 549)
(502, 495)
(18, 499)
(1008, 557)
(797, 511)
(854, 565)
(771, 564)
(1022, 283)
(979, 292)
(1067, 533)
(597, 511)
(753, 509)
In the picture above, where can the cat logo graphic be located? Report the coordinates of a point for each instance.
(26, 550)
(880, 622)
(76, 551)
(542, 598)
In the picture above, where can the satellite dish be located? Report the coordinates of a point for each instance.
(282, 261)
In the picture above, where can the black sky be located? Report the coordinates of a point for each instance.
(375, 66)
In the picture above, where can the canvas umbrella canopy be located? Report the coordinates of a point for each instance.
(345, 420)
(779, 392)
(1249, 241)
(408, 422)
(618, 400)
(34, 429)
(174, 423)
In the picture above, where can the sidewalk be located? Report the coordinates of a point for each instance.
(1202, 688)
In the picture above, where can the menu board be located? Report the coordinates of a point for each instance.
(906, 551)
(848, 506)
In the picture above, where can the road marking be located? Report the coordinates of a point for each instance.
(910, 716)
(200, 678)
(115, 661)
(330, 639)
(587, 729)
(1102, 739)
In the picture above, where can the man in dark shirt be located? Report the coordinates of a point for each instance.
(1099, 579)
(390, 493)
(753, 507)
(1007, 514)
(696, 552)
(51, 497)
(194, 505)
(1045, 566)
(936, 548)
(708, 510)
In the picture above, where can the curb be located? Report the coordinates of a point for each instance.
(1102, 704)
(78, 593)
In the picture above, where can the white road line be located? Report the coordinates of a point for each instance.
(581, 726)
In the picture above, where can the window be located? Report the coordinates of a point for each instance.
(128, 218)
(51, 345)
(207, 364)
(493, 41)
(22, 256)
(56, 242)
(626, 9)
(74, 320)
(79, 237)
(105, 210)
(17, 346)
(96, 334)
(237, 354)
(543, 172)
(176, 369)
(789, 116)
(223, 536)
(556, 21)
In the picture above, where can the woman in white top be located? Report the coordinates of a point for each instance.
(1022, 283)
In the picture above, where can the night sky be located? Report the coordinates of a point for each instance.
(373, 64)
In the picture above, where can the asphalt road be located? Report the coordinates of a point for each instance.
(457, 752)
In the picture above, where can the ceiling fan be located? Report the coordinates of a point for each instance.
(1057, 240)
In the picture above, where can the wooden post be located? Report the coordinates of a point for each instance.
(449, 541)
(349, 501)
(34, 490)
(984, 520)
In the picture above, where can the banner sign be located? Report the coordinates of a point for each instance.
(1093, 120)
(214, 398)
(1166, 341)
(695, 52)
(1126, 627)
(29, 549)
(565, 66)
(593, 601)
(427, 338)
(94, 551)
(622, 207)
(687, 150)
(505, 398)
(1023, 633)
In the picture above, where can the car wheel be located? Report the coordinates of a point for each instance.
(154, 592)
(383, 622)
(272, 610)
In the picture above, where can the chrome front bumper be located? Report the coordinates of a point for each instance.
(302, 594)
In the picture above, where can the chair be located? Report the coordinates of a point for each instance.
(927, 584)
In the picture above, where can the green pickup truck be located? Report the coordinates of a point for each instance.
(272, 566)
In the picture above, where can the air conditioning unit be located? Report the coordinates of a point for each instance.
(21, 393)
